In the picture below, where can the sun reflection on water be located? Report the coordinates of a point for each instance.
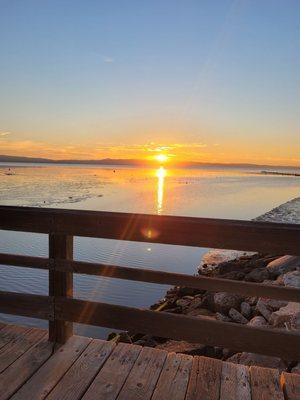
(161, 174)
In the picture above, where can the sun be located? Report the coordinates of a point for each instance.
(161, 158)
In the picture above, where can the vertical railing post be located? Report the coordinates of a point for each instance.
(60, 284)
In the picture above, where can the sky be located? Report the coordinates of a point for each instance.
(211, 81)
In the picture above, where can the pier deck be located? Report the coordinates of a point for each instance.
(33, 368)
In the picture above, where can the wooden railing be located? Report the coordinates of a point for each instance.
(61, 309)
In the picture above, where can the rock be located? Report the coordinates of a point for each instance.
(222, 317)
(258, 321)
(218, 257)
(200, 312)
(285, 315)
(237, 316)
(195, 303)
(227, 353)
(223, 302)
(259, 360)
(183, 303)
(246, 309)
(251, 300)
(295, 321)
(119, 337)
(174, 346)
(283, 264)
(191, 298)
(296, 369)
(186, 291)
(261, 261)
(273, 304)
(279, 280)
(174, 310)
(263, 309)
(257, 275)
(270, 282)
(292, 279)
(208, 300)
(147, 341)
(234, 275)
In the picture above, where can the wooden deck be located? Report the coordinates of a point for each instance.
(32, 368)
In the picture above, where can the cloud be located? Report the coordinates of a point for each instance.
(2, 134)
(108, 60)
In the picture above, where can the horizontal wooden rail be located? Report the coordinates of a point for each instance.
(153, 276)
(271, 342)
(237, 337)
(185, 231)
(28, 305)
(25, 261)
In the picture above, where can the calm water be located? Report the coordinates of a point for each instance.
(208, 192)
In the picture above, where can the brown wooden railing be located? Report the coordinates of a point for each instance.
(61, 309)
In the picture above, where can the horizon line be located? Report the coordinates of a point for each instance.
(131, 161)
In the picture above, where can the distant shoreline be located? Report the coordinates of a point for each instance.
(279, 173)
(141, 163)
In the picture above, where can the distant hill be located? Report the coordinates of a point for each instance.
(133, 162)
(105, 161)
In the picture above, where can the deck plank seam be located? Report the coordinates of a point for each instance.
(160, 372)
(21, 354)
(34, 372)
(56, 348)
(94, 377)
(133, 364)
(130, 370)
(10, 340)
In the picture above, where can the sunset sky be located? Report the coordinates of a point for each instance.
(212, 81)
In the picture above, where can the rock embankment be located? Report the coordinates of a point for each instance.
(228, 307)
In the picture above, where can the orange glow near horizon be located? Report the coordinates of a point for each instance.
(169, 153)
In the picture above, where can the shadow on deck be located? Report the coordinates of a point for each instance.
(33, 368)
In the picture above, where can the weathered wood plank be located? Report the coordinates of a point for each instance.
(15, 348)
(235, 382)
(10, 332)
(205, 379)
(291, 386)
(76, 381)
(181, 327)
(111, 378)
(60, 284)
(265, 384)
(174, 377)
(28, 305)
(24, 367)
(144, 375)
(171, 278)
(185, 231)
(24, 261)
(153, 276)
(48, 375)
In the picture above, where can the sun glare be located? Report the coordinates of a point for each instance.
(161, 158)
